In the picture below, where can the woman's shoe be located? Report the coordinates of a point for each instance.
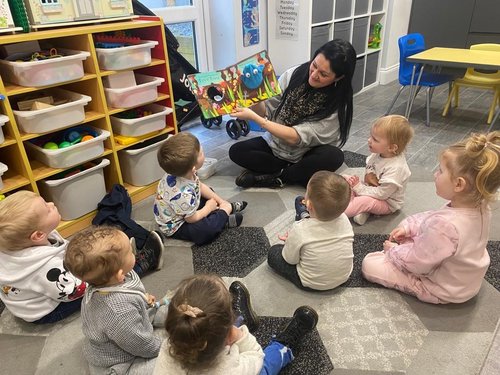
(248, 179)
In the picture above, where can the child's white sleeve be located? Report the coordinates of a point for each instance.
(293, 244)
(247, 354)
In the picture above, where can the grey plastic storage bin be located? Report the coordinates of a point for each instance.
(319, 36)
(377, 5)
(77, 194)
(343, 8)
(139, 163)
(359, 34)
(322, 10)
(357, 79)
(371, 68)
(342, 30)
(361, 7)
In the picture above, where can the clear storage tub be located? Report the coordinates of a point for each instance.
(139, 163)
(69, 156)
(55, 117)
(3, 121)
(126, 57)
(142, 125)
(3, 169)
(45, 72)
(79, 192)
(144, 92)
(207, 169)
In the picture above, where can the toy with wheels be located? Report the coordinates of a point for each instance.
(208, 122)
(235, 128)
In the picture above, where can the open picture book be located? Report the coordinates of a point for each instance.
(242, 84)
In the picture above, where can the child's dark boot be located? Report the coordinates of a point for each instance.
(304, 320)
(242, 306)
(300, 208)
(150, 257)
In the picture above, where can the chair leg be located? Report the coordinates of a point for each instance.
(432, 92)
(448, 102)
(394, 100)
(493, 106)
(494, 120)
(428, 106)
(456, 95)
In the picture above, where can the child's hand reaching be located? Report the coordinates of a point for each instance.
(353, 180)
(398, 234)
(151, 299)
(283, 236)
(371, 179)
(234, 335)
(212, 204)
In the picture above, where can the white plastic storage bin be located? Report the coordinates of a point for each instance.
(3, 121)
(3, 169)
(77, 194)
(144, 92)
(56, 117)
(45, 72)
(207, 169)
(135, 127)
(72, 155)
(139, 163)
(126, 57)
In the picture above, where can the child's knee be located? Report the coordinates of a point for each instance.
(371, 264)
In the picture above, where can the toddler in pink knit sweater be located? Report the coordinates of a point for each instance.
(440, 256)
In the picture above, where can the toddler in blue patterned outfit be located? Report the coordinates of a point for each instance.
(184, 207)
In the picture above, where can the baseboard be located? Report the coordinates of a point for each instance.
(388, 75)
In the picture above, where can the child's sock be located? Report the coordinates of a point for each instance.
(234, 220)
(238, 206)
(300, 208)
(361, 218)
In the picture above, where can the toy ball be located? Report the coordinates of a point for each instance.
(73, 136)
(252, 76)
(51, 146)
(87, 138)
(64, 144)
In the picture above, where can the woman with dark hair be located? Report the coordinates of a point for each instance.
(305, 125)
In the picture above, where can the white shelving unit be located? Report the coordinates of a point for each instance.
(298, 27)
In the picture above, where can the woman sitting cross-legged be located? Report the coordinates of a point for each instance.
(305, 125)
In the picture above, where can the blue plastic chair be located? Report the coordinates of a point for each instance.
(409, 45)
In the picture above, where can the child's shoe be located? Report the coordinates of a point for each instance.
(300, 208)
(234, 220)
(150, 257)
(304, 320)
(238, 206)
(361, 218)
(242, 306)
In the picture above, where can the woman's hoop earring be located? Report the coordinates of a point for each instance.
(335, 84)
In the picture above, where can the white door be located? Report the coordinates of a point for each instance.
(185, 18)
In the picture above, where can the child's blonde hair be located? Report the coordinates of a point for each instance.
(18, 220)
(397, 130)
(476, 160)
(329, 194)
(95, 255)
(200, 317)
(178, 154)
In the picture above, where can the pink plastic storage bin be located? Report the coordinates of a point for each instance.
(144, 92)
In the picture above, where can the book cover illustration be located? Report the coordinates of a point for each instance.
(243, 84)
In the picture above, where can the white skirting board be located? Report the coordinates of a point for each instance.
(388, 75)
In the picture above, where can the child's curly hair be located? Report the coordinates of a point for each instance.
(199, 320)
(476, 160)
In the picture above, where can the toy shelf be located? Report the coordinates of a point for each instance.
(24, 170)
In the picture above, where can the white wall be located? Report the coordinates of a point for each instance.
(226, 34)
(397, 21)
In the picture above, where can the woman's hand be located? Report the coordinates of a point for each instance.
(245, 114)
(371, 179)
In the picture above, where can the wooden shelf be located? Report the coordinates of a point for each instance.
(97, 112)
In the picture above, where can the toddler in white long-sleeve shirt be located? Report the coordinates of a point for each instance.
(387, 173)
(440, 256)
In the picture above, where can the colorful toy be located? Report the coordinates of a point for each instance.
(252, 76)
(51, 146)
(70, 137)
(375, 39)
(115, 40)
(87, 137)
